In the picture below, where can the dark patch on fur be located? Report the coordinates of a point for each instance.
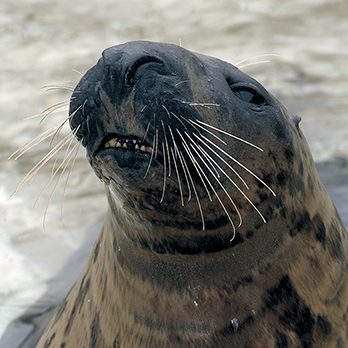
(84, 287)
(281, 340)
(300, 168)
(258, 226)
(249, 234)
(292, 311)
(339, 343)
(324, 325)
(49, 340)
(282, 209)
(96, 252)
(282, 178)
(301, 224)
(95, 331)
(295, 185)
(116, 344)
(319, 229)
(334, 243)
(289, 155)
(243, 281)
(62, 345)
(263, 196)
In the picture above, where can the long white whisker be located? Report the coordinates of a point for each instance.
(184, 168)
(67, 179)
(66, 161)
(56, 170)
(195, 163)
(224, 161)
(40, 138)
(195, 192)
(164, 172)
(147, 129)
(178, 176)
(208, 131)
(167, 148)
(43, 161)
(222, 187)
(229, 134)
(234, 184)
(167, 111)
(175, 164)
(152, 153)
(237, 64)
(240, 164)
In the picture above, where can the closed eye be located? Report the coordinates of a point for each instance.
(249, 95)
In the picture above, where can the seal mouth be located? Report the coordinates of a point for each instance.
(125, 143)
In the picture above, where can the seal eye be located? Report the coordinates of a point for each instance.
(248, 95)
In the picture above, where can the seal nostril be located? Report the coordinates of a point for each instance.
(129, 76)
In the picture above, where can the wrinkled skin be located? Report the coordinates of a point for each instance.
(228, 241)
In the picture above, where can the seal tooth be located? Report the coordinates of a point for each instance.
(134, 141)
(118, 144)
(107, 145)
(124, 145)
(112, 142)
(136, 146)
(142, 148)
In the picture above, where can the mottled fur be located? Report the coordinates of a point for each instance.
(279, 284)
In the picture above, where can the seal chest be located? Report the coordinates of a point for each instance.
(218, 232)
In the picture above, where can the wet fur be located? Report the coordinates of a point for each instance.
(279, 284)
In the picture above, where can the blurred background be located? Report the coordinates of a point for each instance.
(297, 49)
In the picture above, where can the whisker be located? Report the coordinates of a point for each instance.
(195, 192)
(178, 176)
(175, 164)
(240, 164)
(195, 163)
(70, 117)
(40, 138)
(52, 108)
(58, 87)
(156, 143)
(66, 161)
(67, 179)
(147, 129)
(255, 63)
(196, 103)
(224, 161)
(55, 170)
(43, 161)
(237, 64)
(229, 134)
(164, 173)
(178, 119)
(209, 159)
(184, 168)
(167, 111)
(236, 186)
(222, 187)
(148, 167)
(167, 147)
(208, 131)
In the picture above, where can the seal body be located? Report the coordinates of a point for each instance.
(219, 232)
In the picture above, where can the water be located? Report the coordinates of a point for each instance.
(46, 42)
